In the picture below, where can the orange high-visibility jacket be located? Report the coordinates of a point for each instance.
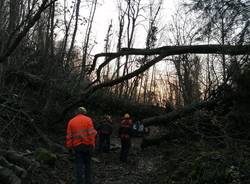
(80, 130)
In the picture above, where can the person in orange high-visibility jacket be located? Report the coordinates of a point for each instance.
(80, 138)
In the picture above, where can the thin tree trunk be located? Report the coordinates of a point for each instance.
(78, 3)
(86, 41)
(66, 36)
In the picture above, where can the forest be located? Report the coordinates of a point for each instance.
(186, 77)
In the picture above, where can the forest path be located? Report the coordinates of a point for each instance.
(111, 171)
(107, 168)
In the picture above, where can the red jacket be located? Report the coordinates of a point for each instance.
(125, 129)
(80, 130)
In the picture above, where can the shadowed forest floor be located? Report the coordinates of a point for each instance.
(107, 167)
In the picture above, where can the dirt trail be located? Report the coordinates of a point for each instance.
(111, 171)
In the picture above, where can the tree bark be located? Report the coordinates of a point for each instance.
(174, 115)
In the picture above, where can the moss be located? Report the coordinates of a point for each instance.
(45, 156)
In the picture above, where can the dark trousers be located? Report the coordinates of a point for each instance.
(125, 143)
(83, 163)
(104, 144)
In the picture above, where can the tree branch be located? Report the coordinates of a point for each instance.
(130, 75)
(176, 50)
(162, 52)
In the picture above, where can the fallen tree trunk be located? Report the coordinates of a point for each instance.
(31, 79)
(18, 159)
(14, 167)
(52, 145)
(159, 53)
(174, 115)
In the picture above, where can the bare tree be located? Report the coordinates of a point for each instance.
(188, 68)
(107, 49)
(225, 22)
(87, 39)
(78, 3)
(151, 39)
(121, 20)
(133, 11)
(67, 25)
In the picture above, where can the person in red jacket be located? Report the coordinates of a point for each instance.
(125, 132)
(80, 138)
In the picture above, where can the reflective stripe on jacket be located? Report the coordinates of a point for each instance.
(80, 130)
